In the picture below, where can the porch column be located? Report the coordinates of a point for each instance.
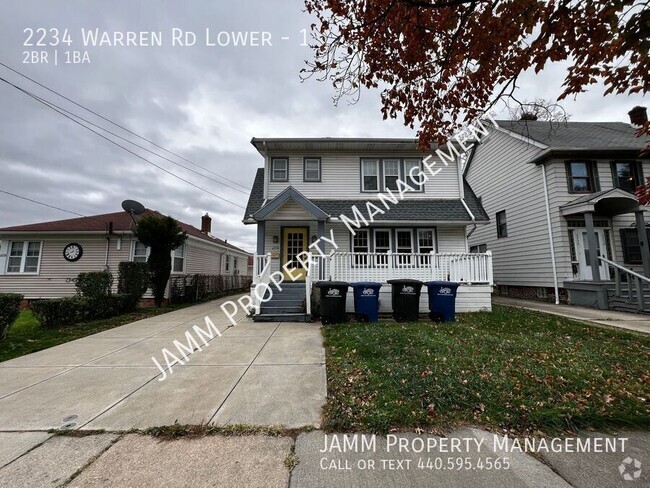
(261, 234)
(321, 246)
(593, 247)
(643, 241)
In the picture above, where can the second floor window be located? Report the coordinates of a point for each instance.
(391, 174)
(279, 169)
(370, 175)
(502, 224)
(581, 176)
(311, 169)
(627, 175)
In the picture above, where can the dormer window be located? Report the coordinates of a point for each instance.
(280, 169)
(312, 169)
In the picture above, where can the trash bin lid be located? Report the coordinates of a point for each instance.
(364, 283)
(405, 281)
(323, 284)
(442, 283)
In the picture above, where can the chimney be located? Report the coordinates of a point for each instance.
(206, 224)
(638, 116)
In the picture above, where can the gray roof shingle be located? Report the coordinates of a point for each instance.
(412, 210)
(583, 135)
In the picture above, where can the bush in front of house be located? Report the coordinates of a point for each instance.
(133, 279)
(94, 284)
(9, 310)
(106, 306)
(56, 312)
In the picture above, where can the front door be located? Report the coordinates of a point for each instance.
(294, 241)
(581, 244)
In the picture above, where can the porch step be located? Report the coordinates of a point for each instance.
(283, 317)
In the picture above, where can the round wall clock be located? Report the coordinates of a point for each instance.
(72, 252)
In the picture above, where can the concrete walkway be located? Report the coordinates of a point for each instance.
(259, 374)
(128, 460)
(611, 318)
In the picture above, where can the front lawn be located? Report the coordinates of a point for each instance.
(27, 336)
(509, 369)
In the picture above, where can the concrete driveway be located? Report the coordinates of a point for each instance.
(254, 373)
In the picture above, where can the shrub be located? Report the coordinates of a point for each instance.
(105, 307)
(94, 284)
(9, 310)
(56, 312)
(133, 279)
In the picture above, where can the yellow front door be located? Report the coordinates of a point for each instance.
(294, 241)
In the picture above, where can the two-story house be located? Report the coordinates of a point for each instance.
(566, 225)
(342, 195)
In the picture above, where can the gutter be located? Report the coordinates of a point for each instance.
(550, 236)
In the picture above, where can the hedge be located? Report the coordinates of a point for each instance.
(133, 279)
(195, 288)
(94, 284)
(9, 310)
(59, 312)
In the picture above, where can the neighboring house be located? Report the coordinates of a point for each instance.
(562, 209)
(42, 260)
(307, 185)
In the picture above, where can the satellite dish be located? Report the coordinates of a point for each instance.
(132, 207)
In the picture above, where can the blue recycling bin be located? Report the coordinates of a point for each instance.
(366, 301)
(442, 300)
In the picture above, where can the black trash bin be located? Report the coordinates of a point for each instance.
(366, 301)
(406, 299)
(442, 300)
(333, 295)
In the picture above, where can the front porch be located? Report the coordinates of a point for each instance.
(273, 293)
(599, 280)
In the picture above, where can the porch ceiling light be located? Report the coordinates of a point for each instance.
(276, 239)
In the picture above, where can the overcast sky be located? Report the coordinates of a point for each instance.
(203, 103)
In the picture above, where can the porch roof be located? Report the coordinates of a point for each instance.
(408, 210)
(607, 202)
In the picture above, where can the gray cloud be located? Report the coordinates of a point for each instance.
(204, 103)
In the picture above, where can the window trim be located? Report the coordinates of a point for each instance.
(434, 238)
(592, 176)
(227, 266)
(624, 244)
(271, 173)
(417, 187)
(23, 258)
(184, 257)
(637, 171)
(133, 244)
(499, 224)
(378, 165)
(478, 248)
(383, 172)
(304, 169)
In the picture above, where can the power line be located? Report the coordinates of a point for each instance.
(41, 203)
(73, 119)
(122, 127)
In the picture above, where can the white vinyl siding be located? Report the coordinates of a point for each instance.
(501, 176)
(341, 176)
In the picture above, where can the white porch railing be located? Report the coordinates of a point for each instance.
(261, 276)
(381, 267)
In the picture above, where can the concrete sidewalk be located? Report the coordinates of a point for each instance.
(127, 460)
(259, 374)
(611, 318)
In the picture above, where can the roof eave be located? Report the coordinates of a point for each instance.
(571, 152)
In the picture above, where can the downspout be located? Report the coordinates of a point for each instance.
(550, 236)
(461, 192)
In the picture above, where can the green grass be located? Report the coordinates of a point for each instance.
(27, 336)
(509, 369)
